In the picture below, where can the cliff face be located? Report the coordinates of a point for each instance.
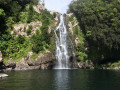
(31, 60)
(78, 39)
(43, 61)
(39, 8)
(21, 29)
(74, 30)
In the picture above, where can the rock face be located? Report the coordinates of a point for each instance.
(39, 8)
(43, 61)
(1, 57)
(71, 27)
(21, 29)
(11, 64)
(85, 65)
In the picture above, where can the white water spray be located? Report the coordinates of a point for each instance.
(62, 40)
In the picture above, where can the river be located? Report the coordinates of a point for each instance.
(68, 79)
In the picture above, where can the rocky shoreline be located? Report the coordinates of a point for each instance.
(43, 61)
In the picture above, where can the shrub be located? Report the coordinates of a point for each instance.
(20, 39)
(29, 30)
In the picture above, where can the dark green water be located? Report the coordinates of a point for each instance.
(62, 80)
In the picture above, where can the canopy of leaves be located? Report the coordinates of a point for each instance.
(100, 23)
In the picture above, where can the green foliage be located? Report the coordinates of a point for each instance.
(21, 11)
(78, 34)
(29, 30)
(20, 39)
(27, 15)
(13, 48)
(30, 13)
(2, 21)
(39, 43)
(23, 17)
(2, 13)
(15, 8)
(10, 21)
(42, 39)
(100, 22)
(47, 18)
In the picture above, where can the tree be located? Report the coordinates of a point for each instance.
(2, 21)
(99, 21)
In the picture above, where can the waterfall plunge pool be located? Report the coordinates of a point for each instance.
(64, 79)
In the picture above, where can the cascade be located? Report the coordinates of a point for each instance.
(62, 44)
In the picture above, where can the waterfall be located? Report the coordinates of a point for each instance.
(62, 45)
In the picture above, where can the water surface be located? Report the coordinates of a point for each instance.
(62, 80)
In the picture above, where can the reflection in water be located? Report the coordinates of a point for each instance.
(61, 79)
(69, 79)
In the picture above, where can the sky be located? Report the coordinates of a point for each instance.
(57, 5)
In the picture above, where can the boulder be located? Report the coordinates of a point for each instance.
(2, 75)
(43, 61)
(8, 69)
(85, 65)
(21, 65)
(10, 64)
(43, 58)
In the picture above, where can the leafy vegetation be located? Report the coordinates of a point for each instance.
(100, 22)
(77, 34)
(29, 30)
(42, 39)
(17, 12)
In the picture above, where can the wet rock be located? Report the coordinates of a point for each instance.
(89, 64)
(85, 65)
(2, 75)
(46, 66)
(8, 69)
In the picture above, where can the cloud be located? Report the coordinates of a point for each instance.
(57, 5)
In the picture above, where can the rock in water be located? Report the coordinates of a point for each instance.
(2, 75)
